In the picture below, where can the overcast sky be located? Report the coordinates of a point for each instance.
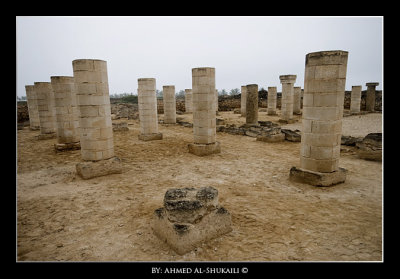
(243, 50)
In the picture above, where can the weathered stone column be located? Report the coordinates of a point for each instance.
(355, 103)
(204, 121)
(251, 104)
(67, 114)
(148, 109)
(287, 98)
(45, 103)
(169, 104)
(296, 100)
(188, 101)
(272, 96)
(243, 100)
(95, 126)
(370, 100)
(324, 85)
(216, 99)
(31, 99)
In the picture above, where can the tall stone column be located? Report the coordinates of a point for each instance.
(243, 100)
(355, 103)
(251, 104)
(204, 121)
(45, 103)
(169, 104)
(95, 126)
(287, 98)
(67, 114)
(296, 100)
(272, 96)
(324, 85)
(216, 99)
(370, 101)
(188, 101)
(31, 99)
(148, 109)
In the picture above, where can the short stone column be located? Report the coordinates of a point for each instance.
(243, 100)
(272, 96)
(252, 105)
(148, 109)
(31, 99)
(324, 85)
(95, 126)
(67, 114)
(355, 103)
(287, 98)
(189, 217)
(296, 100)
(204, 116)
(188, 101)
(46, 110)
(370, 100)
(169, 104)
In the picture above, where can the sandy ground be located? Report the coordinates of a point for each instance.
(61, 217)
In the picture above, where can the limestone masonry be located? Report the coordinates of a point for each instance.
(272, 96)
(169, 104)
(31, 98)
(370, 101)
(67, 114)
(252, 104)
(287, 97)
(355, 103)
(204, 121)
(324, 84)
(296, 100)
(188, 100)
(46, 109)
(243, 100)
(147, 101)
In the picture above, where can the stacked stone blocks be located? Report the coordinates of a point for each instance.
(169, 104)
(287, 97)
(251, 104)
(355, 103)
(272, 97)
(31, 98)
(188, 101)
(46, 109)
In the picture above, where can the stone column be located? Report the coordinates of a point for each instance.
(169, 104)
(216, 99)
(251, 104)
(296, 100)
(324, 85)
(272, 96)
(188, 101)
(370, 101)
(355, 103)
(204, 116)
(287, 98)
(31, 99)
(148, 109)
(95, 126)
(243, 100)
(67, 114)
(46, 110)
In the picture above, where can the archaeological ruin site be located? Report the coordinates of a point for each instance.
(283, 174)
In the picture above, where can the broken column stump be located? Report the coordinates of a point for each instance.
(370, 148)
(189, 217)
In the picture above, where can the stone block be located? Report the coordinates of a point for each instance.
(148, 137)
(204, 149)
(271, 138)
(67, 146)
(190, 216)
(89, 170)
(317, 178)
(46, 136)
(291, 135)
(370, 148)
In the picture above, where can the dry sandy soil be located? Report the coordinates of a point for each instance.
(61, 217)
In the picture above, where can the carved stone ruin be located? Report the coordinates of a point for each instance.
(190, 216)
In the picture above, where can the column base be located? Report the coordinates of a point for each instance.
(271, 138)
(184, 237)
(148, 137)
(204, 149)
(289, 121)
(91, 169)
(67, 146)
(317, 178)
(46, 136)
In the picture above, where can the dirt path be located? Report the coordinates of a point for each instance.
(61, 217)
